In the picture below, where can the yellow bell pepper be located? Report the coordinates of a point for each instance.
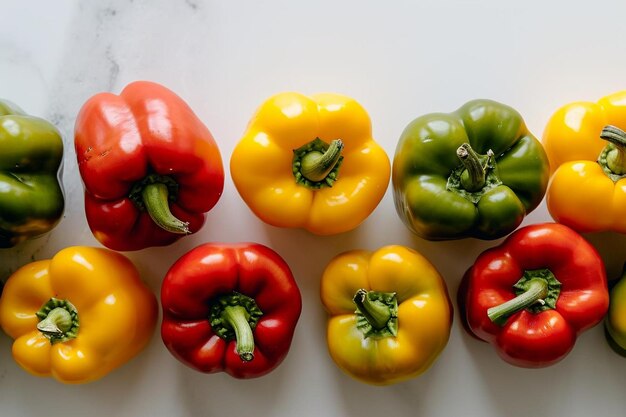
(390, 314)
(77, 316)
(310, 162)
(586, 146)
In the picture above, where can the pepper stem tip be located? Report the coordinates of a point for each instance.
(155, 198)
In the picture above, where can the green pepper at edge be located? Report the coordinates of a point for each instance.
(615, 321)
(475, 172)
(31, 154)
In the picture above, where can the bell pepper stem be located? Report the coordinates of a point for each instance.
(155, 198)
(476, 176)
(315, 165)
(233, 316)
(536, 292)
(58, 321)
(237, 318)
(376, 313)
(616, 158)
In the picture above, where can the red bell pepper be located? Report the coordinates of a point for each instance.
(531, 296)
(231, 308)
(150, 168)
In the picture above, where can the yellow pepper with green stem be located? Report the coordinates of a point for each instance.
(390, 314)
(586, 146)
(310, 162)
(77, 316)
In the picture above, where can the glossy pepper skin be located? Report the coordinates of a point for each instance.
(230, 308)
(587, 149)
(615, 322)
(390, 314)
(475, 172)
(31, 155)
(150, 168)
(310, 162)
(531, 296)
(78, 316)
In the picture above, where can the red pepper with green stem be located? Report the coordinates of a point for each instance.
(230, 308)
(531, 296)
(151, 169)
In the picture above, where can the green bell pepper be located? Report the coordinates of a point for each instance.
(31, 197)
(615, 320)
(475, 172)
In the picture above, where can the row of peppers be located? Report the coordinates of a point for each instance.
(151, 171)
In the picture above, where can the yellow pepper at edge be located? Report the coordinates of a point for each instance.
(586, 146)
(390, 314)
(310, 162)
(77, 316)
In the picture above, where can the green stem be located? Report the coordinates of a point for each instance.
(315, 165)
(616, 157)
(376, 313)
(155, 199)
(475, 175)
(536, 291)
(234, 316)
(237, 318)
(58, 320)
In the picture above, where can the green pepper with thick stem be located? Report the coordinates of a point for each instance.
(31, 155)
(475, 172)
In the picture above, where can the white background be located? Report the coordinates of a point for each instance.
(399, 59)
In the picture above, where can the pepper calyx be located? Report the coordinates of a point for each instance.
(58, 320)
(612, 159)
(476, 175)
(154, 194)
(316, 164)
(377, 313)
(538, 290)
(234, 316)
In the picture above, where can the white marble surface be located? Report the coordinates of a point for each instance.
(400, 59)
